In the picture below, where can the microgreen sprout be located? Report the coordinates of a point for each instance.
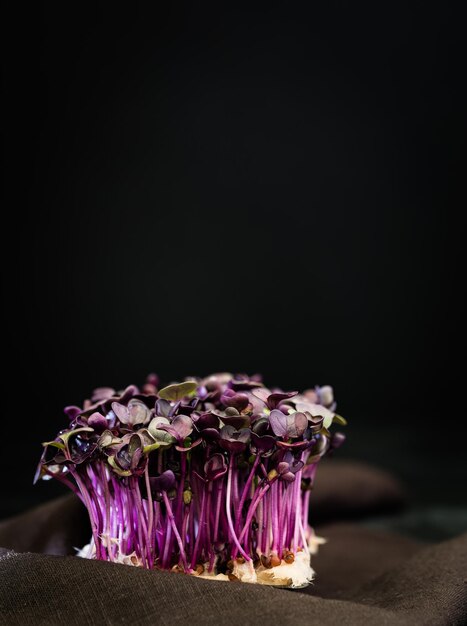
(210, 477)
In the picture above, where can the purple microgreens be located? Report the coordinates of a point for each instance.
(289, 426)
(315, 410)
(180, 427)
(337, 439)
(262, 440)
(234, 440)
(241, 382)
(315, 422)
(205, 420)
(102, 393)
(151, 385)
(274, 399)
(148, 400)
(202, 393)
(136, 412)
(152, 379)
(162, 408)
(129, 458)
(217, 380)
(236, 400)
(129, 392)
(325, 396)
(287, 470)
(66, 435)
(188, 445)
(309, 395)
(297, 446)
(261, 426)
(52, 450)
(51, 463)
(72, 412)
(210, 389)
(97, 421)
(214, 468)
(81, 448)
(199, 475)
(164, 482)
(105, 405)
(320, 447)
(210, 435)
(190, 407)
(262, 445)
(231, 417)
(108, 439)
(175, 408)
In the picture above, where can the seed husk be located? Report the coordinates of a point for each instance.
(289, 557)
(266, 561)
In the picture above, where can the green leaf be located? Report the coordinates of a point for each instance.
(338, 419)
(151, 447)
(177, 392)
(55, 444)
(66, 436)
(108, 439)
(272, 474)
(161, 436)
(116, 468)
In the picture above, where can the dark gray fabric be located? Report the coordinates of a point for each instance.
(346, 490)
(353, 555)
(429, 588)
(64, 590)
(364, 576)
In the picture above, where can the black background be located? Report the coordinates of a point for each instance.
(199, 189)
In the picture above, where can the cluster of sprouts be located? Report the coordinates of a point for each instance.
(210, 477)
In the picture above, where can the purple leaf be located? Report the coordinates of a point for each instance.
(278, 423)
(215, 467)
(277, 397)
(72, 411)
(102, 393)
(180, 428)
(165, 482)
(263, 444)
(234, 440)
(162, 408)
(135, 413)
(238, 401)
(262, 394)
(288, 426)
(97, 421)
(205, 420)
